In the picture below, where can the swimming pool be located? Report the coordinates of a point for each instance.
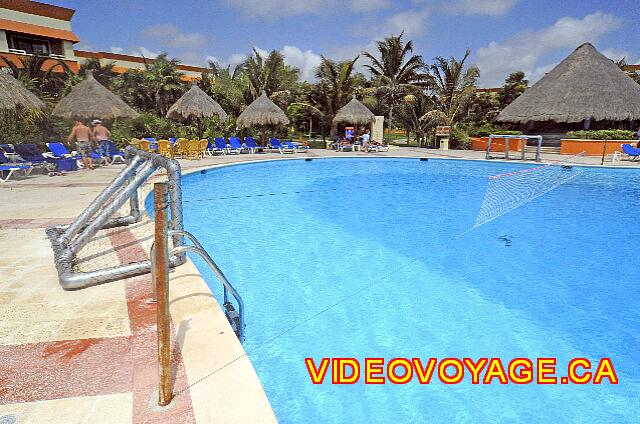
(356, 258)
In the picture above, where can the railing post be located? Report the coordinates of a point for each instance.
(161, 282)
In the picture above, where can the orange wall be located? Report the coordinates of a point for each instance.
(592, 147)
(497, 144)
(49, 63)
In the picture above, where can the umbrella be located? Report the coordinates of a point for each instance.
(13, 93)
(586, 85)
(262, 111)
(354, 112)
(195, 103)
(90, 99)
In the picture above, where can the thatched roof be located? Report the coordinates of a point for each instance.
(262, 111)
(586, 85)
(90, 99)
(355, 113)
(13, 93)
(195, 103)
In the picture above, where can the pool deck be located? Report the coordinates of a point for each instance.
(89, 356)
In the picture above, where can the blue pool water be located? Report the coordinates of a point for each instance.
(557, 277)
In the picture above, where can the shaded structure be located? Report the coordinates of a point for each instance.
(262, 112)
(195, 103)
(355, 113)
(90, 99)
(13, 94)
(586, 89)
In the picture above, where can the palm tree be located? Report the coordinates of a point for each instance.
(40, 74)
(163, 80)
(454, 85)
(225, 87)
(269, 74)
(397, 70)
(335, 86)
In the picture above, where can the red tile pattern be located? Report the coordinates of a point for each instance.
(90, 367)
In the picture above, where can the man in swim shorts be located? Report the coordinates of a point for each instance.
(82, 136)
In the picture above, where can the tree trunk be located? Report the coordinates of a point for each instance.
(390, 126)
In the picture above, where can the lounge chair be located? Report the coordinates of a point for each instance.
(31, 154)
(296, 146)
(275, 144)
(251, 144)
(7, 149)
(60, 152)
(631, 152)
(236, 145)
(113, 153)
(8, 167)
(221, 144)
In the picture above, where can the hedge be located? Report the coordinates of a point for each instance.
(602, 135)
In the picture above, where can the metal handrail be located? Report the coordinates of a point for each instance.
(200, 250)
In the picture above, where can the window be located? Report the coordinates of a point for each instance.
(30, 45)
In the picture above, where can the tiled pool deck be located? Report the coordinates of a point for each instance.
(89, 356)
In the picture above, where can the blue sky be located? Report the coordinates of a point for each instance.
(504, 35)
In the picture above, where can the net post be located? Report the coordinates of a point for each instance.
(506, 148)
(489, 146)
(161, 281)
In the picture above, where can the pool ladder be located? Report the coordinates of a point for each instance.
(235, 318)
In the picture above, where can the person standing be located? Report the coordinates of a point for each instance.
(82, 136)
(101, 135)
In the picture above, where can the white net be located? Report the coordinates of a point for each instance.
(506, 192)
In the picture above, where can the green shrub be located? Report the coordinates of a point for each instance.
(601, 135)
(486, 130)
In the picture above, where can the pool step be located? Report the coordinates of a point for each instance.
(233, 317)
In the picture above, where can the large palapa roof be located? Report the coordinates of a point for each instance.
(90, 99)
(195, 103)
(586, 85)
(13, 93)
(262, 111)
(354, 112)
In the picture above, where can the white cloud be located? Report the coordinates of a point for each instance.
(412, 22)
(523, 51)
(613, 54)
(481, 7)
(171, 36)
(138, 51)
(306, 61)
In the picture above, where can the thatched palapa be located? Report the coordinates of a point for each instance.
(355, 113)
(262, 111)
(90, 99)
(195, 103)
(13, 93)
(586, 85)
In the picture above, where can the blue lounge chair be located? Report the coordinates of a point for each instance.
(296, 146)
(7, 149)
(251, 144)
(630, 151)
(275, 144)
(236, 145)
(60, 152)
(221, 144)
(8, 167)
(113, 153)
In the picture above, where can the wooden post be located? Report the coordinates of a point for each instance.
(161, 279)
(604, 152)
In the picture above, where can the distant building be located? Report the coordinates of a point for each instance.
(32, 28)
